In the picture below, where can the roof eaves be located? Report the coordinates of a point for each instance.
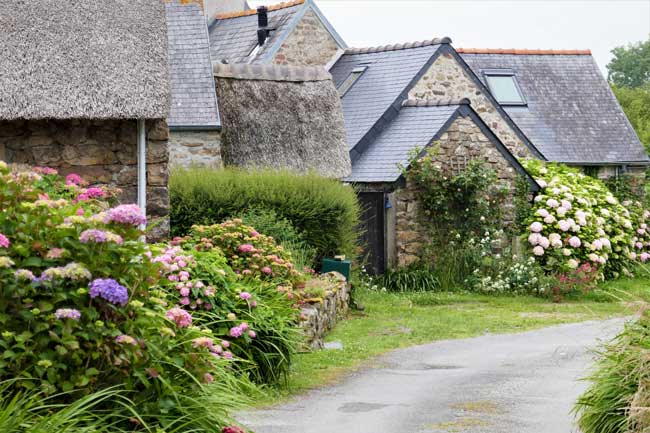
(328, 26)
(494, 102)
(268, 56)
(212, 127)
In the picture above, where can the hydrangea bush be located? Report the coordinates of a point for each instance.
(82, 305)
(575, 219)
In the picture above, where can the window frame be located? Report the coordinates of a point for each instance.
(505, 73)
(351, 79)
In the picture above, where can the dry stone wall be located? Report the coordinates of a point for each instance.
(188, 148)
(463, 141)
(320, 315)
(102, 151)
(308, 44)
(446, 79)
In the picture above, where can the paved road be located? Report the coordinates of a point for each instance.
(516, 383)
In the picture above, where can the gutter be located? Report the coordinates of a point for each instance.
(195, 128)
(142, 166)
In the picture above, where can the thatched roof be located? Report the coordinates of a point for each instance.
(282, 117)
(83, 59)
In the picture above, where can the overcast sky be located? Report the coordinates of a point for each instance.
(559, 24)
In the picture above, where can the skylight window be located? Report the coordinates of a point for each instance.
(504, 87)
(352, 78)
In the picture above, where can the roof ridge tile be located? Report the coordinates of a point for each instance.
(396, 47)
(248, 12)
(523, 51)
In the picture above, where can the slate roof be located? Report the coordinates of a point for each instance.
(194, 100)
(234, 36)
(382, 86)
(571, 115)
(414, 127)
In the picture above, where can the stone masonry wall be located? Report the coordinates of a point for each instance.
(462, 141)
(446, 79)
(101, 151)
(308, 44)
(320, 315)
(195, 148)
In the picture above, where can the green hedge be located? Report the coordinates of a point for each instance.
(324, 211)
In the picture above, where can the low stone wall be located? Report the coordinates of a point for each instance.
(319, 315)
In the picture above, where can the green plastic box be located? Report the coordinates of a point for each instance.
(341, 266)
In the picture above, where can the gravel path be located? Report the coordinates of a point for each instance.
(512, 383)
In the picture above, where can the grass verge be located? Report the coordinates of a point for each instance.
(392, 321)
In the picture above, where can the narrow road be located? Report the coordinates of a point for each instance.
(514, 383)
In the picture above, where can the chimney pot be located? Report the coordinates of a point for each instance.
(262, 17)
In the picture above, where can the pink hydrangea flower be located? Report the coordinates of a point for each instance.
(536, 227)
(252, 334)
(549, 219)
(126, 339)
(574, 241)
(246, 248)
(564, 225)
(236, 331)
(538, 251)
(533, 239)
(544, 242)
(67, 313)
(225, 343)
(267, 270)
(182, 318)
(129, 214)
(73, 179)
(4, 241)
(644, 257)
(542, 212)
(551, 202)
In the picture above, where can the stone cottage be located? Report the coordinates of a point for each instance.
(96, 109)
(391, 107)
(294, 33)
(551, 105)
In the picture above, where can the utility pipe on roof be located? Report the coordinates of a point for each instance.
(142, 165)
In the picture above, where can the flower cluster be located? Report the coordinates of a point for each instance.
(182, 318)
(4, 241)
(99, 236)
(575, 220)
(249, 253)
(110, 290)
(67, 313)
(129, 214)
(72, 271)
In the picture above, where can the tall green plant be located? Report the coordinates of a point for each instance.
(324, 211)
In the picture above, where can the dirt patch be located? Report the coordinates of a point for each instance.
(459, 425)
(482, 406)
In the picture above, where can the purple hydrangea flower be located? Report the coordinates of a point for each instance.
(67, 313)
(109, 289)
(126, 214)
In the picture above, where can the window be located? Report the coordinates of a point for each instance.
(504, 87)
(352, 78)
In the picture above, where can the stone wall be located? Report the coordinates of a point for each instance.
(101, 151)
(319, 315)
(446, 79)
(308, 44)
(462, 141)
(195, 148)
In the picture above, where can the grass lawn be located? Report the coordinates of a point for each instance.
(391, 321)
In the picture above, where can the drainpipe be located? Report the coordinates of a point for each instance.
(142, 166)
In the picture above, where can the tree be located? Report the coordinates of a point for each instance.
(630, 66)
(636, 105)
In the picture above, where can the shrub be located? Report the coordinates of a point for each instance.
(323, 211)
(619, 392)
(576, 219)
(240, 284)
(81, 309)
(281, 229)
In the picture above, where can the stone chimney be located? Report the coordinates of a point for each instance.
(213, 7)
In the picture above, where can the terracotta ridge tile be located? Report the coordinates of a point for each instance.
(522, 51)
(248, 12)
